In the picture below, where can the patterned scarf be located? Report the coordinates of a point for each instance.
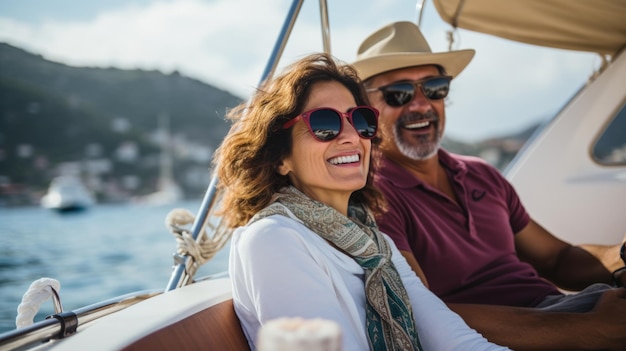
(390, 323)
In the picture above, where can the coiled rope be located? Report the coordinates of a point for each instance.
(39, 291)
(205, 247)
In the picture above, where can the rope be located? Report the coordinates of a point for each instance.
(39, 291)
(454, 22)
(205, 247)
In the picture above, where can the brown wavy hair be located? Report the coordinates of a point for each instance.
(247, 160)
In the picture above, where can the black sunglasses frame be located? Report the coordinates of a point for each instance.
(328, 134)
(404, 91)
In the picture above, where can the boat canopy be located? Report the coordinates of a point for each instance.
(593, 26)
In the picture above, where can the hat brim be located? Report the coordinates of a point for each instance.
(453, 62)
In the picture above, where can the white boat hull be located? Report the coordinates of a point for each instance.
(194, 317)
(67, 194)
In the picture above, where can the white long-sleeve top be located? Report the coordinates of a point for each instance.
(280, 268)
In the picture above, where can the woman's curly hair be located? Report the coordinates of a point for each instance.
(247, 160)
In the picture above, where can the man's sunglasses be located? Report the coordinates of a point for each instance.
(401, 93)
(326, 123)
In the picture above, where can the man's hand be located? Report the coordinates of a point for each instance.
(619, 276)
(611, 313)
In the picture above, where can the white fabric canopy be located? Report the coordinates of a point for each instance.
(585, 25)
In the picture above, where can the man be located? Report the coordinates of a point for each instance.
(464, 223)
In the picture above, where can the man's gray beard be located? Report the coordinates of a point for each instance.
(425, 150)
(417, 153)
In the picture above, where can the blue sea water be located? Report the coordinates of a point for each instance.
(106, 251)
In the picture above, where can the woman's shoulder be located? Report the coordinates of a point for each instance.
(271, 230)
(271, 225)
(279, 236)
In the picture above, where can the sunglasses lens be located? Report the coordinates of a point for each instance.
(365, 122)
(398, 94)
(325, 124)
(436, 88)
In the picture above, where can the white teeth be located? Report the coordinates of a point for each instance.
(416, 125)
(344, 159)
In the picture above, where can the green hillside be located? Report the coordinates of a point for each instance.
(51, 114)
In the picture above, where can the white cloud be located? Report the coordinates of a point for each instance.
(227, 43)
(204, 40)
(509, 86)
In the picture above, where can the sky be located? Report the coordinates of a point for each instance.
(226, 43)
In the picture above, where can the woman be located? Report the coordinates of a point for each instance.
(296, 173)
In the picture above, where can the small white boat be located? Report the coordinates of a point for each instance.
(67, 194)
(559, 164)
(168, 191)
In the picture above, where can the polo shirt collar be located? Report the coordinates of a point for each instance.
(400, 177)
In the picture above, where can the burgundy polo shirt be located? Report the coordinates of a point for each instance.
(466, 250)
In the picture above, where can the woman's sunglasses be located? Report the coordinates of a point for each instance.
(401, 93)
(326, 123)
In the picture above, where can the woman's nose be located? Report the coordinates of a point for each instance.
(348, 131)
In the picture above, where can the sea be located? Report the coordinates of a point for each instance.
(97, 254)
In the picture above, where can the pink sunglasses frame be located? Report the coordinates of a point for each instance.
(306, 117)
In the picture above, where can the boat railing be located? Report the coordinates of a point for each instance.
(63, 324)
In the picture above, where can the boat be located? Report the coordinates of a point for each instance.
(571, 174)
(67, 194)
(167, 190)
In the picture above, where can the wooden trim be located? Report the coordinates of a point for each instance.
(216, 328)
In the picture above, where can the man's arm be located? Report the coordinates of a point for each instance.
(609, 255)
(569, 267)
(532, 329)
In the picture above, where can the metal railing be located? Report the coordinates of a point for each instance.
(56, 326)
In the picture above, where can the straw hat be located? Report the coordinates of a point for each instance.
(400, 45)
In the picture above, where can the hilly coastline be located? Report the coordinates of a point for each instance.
(112, 127)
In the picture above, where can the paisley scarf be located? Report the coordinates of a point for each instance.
(390, 324)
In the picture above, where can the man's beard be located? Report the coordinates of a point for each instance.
(421, 147)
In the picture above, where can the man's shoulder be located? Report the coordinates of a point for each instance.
(471, 163)
(390, 173)
(466, 159)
